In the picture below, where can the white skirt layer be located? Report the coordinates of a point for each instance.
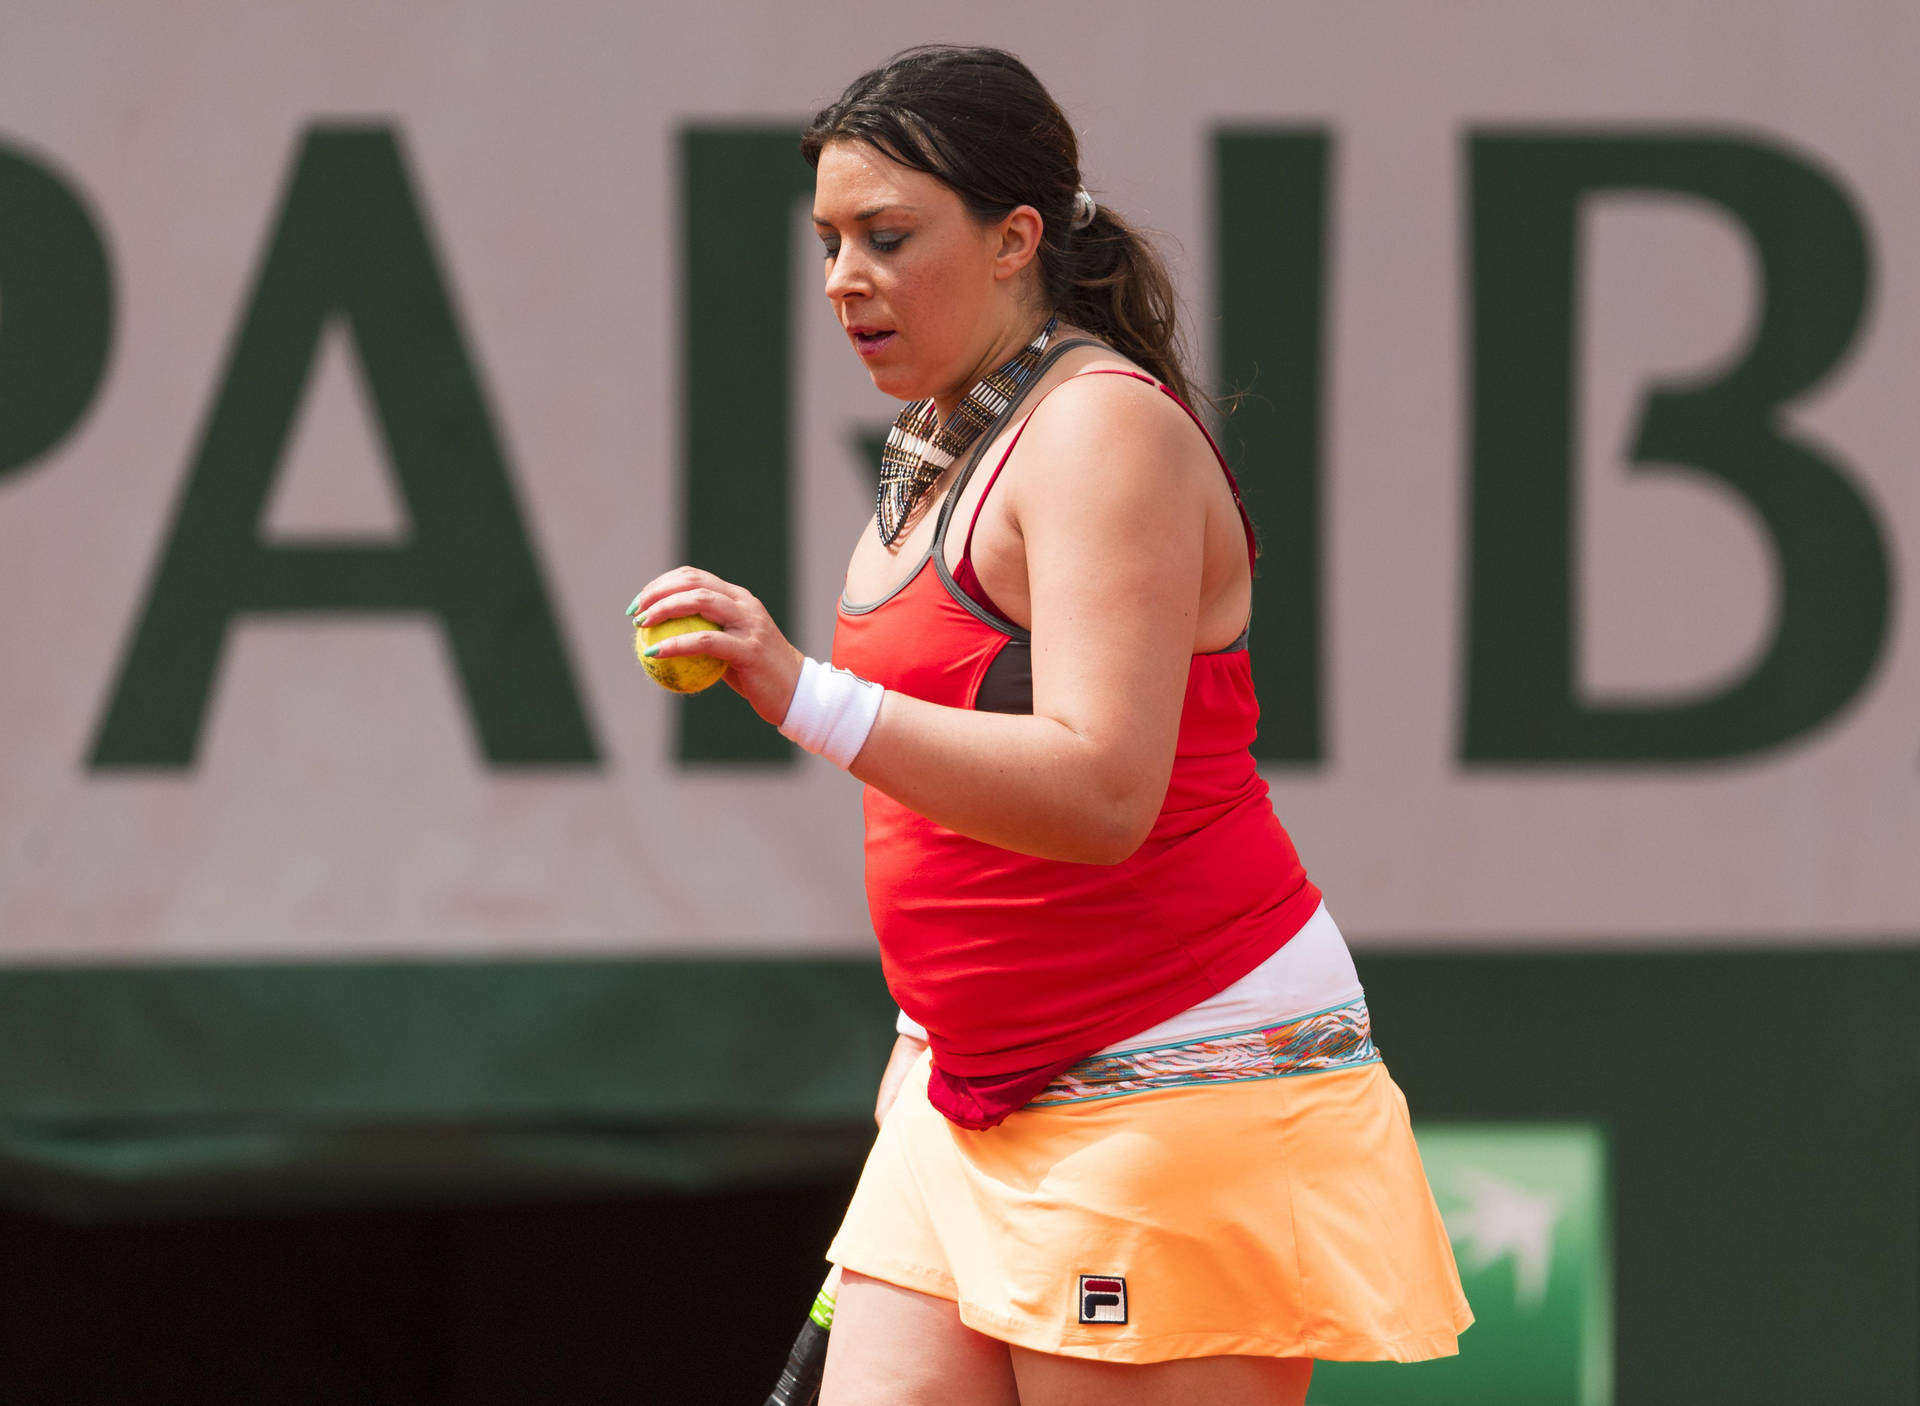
(1312, 972)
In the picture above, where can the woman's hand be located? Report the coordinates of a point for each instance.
(761, 666)
(906, 1050)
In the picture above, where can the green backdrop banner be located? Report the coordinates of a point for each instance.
(1760, 1114)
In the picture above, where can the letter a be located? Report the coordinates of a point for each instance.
(351, 242)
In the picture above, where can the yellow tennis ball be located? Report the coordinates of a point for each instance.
(690, 672)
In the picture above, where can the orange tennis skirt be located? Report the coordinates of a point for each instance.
(1254, 1194)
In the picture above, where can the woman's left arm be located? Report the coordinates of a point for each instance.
(1111, 508)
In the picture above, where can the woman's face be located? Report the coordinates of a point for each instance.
(925, 293)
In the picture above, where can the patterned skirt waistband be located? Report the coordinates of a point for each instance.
(1339, 1038)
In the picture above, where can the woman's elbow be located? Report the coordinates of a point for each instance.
(1116, 829)
(1116, 804)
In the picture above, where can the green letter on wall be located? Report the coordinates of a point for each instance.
(1270, 218)
(737, 190)
(351, 242)
(56, 309)
(1527, 191)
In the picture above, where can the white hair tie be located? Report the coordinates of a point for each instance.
(1083, 208)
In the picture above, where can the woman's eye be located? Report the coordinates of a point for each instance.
(831, 246)
(888, 242)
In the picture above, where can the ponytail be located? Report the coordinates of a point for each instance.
(1109, 280)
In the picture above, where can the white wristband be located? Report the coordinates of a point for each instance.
(907, 1025)
(832, 712)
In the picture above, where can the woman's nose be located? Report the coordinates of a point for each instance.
(846, 277)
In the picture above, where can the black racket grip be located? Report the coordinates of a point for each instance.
(799, 1383)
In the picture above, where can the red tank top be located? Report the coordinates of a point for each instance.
(1019, 965)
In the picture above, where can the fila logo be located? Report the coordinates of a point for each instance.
(1103, 1298)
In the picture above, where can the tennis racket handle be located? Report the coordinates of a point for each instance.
(799, 1383)
(800, 1379)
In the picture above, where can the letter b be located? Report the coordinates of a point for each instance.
(1834, 577)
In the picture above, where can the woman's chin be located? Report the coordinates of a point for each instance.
(897, 382)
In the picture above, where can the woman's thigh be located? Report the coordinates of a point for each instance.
(893, 1347)
(1045, 1380)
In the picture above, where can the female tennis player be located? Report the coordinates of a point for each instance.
(1137, 1145)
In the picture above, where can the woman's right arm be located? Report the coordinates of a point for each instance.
(1114, 536)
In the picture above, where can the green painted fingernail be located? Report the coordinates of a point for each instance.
(651, 650)
(636, 604)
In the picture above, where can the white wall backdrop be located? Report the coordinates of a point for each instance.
(339, 805)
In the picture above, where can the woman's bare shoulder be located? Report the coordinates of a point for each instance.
(1094, 417)
(1095, 356)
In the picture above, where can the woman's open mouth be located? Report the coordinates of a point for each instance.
(869, 340)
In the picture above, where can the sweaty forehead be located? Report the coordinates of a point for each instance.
(854, 179)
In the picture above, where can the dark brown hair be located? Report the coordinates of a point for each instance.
(978, 120)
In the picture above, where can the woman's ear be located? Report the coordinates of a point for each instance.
(1020, 233)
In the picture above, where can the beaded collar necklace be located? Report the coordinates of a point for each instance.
(919, 449)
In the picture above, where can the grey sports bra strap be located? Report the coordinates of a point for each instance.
(992, 432)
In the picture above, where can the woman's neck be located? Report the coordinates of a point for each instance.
(1005, 348)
